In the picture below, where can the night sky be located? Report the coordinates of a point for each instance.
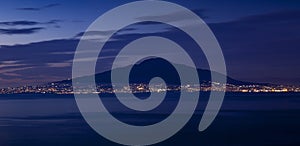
(260, 39)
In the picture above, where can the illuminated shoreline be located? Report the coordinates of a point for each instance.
(55, 88)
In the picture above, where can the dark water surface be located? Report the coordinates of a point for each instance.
(245, 119)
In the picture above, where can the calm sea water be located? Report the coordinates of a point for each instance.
(245, 119)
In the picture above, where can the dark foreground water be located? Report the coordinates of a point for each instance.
(245, 119)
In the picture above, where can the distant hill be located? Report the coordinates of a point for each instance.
(145, 70)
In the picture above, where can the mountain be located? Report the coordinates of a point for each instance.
(145, 70)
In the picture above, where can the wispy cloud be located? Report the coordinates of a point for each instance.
(9, 67)
(14, 31)
(275, 48)
(10, 63)
(15, 23)
(63, 53)
(51, 5)
(94, 33)
(39, 8)
(95, 36)
(136, 29)
(59, 64)
(29, 23)
(175, 16)
(12, 27)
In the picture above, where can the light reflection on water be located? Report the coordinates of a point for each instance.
(245, 119)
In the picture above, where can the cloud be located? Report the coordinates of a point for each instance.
(94, 33)
(29, 9)
(95, 36)
(285, 16)
(9, 62)
(59, 64)
(11, 70)
(15, 23)
(15, 31)
(102, 33)
(39, 8)
(257, 48)
(39, 53)
(37, 63)
(135, 29)
(262, 48)
(54, 21)
(51, 5)
(90, 59)
(62, 53)
(254, 50)
(10, 65)
(175, 16)
(11, 74)
(29, 23)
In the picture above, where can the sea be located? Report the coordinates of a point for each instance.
(245, 119)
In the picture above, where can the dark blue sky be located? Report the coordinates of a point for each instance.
(259, 38)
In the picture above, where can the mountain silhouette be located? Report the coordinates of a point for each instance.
(144, 71)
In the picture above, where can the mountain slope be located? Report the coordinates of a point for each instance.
(144, 71)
